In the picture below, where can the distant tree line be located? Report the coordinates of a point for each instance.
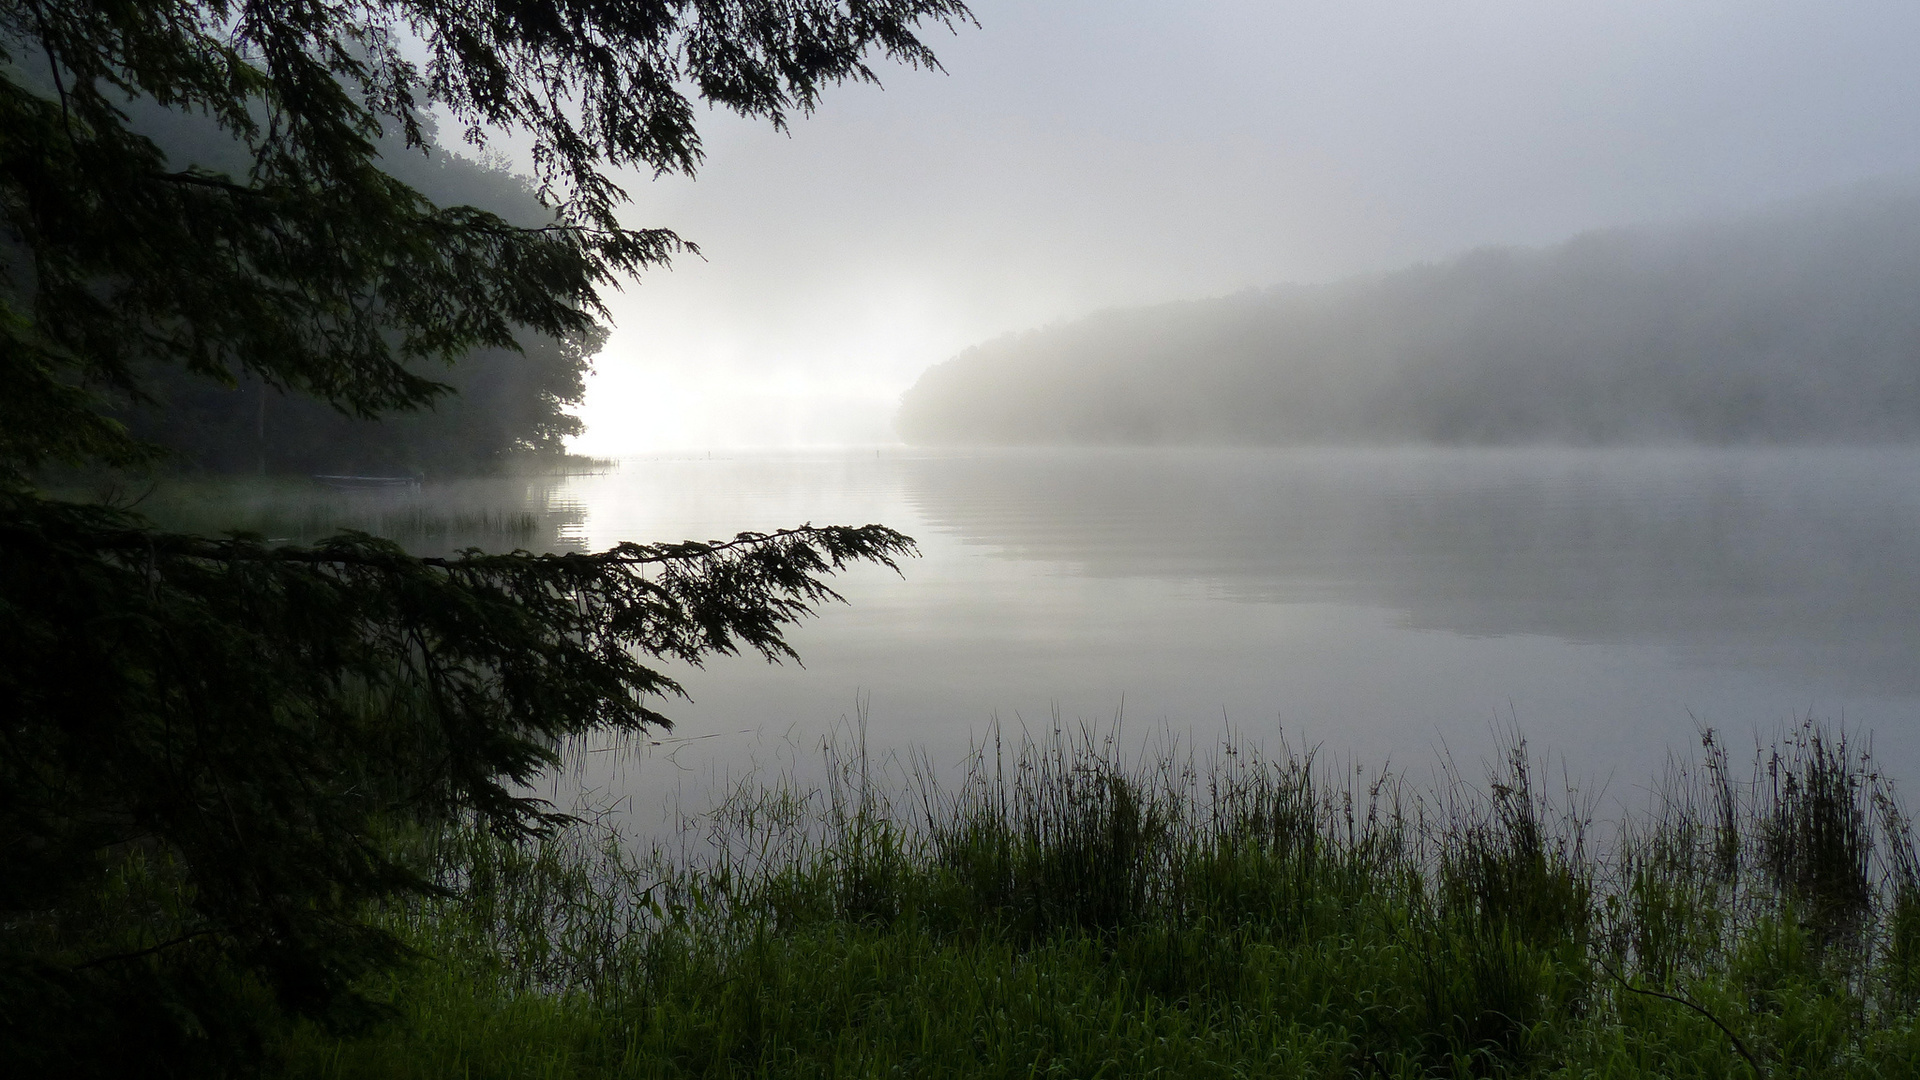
(1799, 324)
(504, 402)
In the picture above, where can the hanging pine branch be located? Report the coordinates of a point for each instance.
(209, 746)
(258, 717)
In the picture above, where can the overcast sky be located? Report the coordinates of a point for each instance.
(1082, 154)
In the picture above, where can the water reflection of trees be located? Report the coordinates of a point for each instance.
(498, 514)
(1802, 561)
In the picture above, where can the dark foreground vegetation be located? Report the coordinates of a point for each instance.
(229, 234)
(1077, 912)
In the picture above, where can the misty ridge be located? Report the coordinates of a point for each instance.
(1796, 324)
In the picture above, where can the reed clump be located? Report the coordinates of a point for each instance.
(1070, 907)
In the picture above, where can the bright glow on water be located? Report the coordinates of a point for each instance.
(1381, 603)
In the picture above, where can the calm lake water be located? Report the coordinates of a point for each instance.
(1383, 604)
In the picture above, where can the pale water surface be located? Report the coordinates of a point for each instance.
(1381, 604)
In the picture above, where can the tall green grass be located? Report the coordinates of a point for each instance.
(1069, 909)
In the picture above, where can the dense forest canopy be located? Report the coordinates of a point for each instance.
(1800, 323)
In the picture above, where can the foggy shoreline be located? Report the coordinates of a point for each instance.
(1791, 326)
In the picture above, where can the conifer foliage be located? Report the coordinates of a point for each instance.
(213, 751)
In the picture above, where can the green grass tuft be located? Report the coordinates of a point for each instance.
(1069, 910)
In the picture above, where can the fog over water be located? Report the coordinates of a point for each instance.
(1384, 604)
(1077, 158)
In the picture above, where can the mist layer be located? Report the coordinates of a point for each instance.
(1798, 324)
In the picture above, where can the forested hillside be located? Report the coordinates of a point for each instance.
(1801, 323)
(503, 403)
